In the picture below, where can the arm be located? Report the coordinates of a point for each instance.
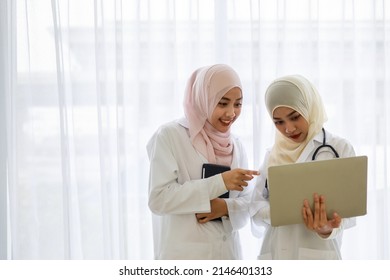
(238, 203)
(172, 190)
(166, 194)
(233, 210)
(238, 208)
(259, 208)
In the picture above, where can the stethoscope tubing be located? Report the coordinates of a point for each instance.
(324, 145)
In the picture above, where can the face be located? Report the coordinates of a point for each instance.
(227, 110)
(291, 124)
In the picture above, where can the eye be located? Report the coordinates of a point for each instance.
(278, 122)
(295, 118)
(238, 105)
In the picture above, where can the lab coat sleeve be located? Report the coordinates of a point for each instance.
(337, 232)
(166, 195)
(238, 206)
(238, 209)
(259, 208)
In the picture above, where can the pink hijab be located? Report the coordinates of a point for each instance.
(205, 88)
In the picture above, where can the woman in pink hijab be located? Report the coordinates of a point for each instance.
(190, 218)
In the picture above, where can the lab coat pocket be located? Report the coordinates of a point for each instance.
(312, 254)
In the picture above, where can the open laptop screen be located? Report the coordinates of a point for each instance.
(343, 182)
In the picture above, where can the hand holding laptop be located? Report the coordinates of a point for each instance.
(317, 219)
(342, 181)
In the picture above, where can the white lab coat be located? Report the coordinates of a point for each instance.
(296, 241)
(177, 193)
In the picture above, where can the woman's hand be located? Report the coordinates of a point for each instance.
(318, 221)
(236, 179)
(218, 209)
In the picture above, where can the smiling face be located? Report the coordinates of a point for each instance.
(291, 124)
(227, 110)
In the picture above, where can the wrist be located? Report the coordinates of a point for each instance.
(324, 231)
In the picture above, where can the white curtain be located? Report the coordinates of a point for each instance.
(88, 82)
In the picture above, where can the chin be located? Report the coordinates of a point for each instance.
(298, 141)
(223, 128)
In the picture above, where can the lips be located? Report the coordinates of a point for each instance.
(296, 136)
(226, 122)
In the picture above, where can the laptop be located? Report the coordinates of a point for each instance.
(343, 182)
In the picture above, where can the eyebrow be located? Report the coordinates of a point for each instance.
(225, 98)
(289, 115)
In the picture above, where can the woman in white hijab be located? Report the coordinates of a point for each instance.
(298, 114)
(190, 221)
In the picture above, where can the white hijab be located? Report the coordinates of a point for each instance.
(299, 94)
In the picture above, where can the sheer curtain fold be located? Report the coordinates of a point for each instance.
(65, 133)
(90, 81)
(7, 40)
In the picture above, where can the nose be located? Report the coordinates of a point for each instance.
(230, 112)
(290, 127)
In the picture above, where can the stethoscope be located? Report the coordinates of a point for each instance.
(324, 145)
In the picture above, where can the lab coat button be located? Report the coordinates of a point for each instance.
(224, 238)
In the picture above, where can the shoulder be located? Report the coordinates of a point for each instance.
(341, 144)
(170, 129)
(336, 138)
(166, 135)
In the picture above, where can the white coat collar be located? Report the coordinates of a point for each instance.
(310, 146)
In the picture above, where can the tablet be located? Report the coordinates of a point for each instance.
(210, 169)
(343, 182)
